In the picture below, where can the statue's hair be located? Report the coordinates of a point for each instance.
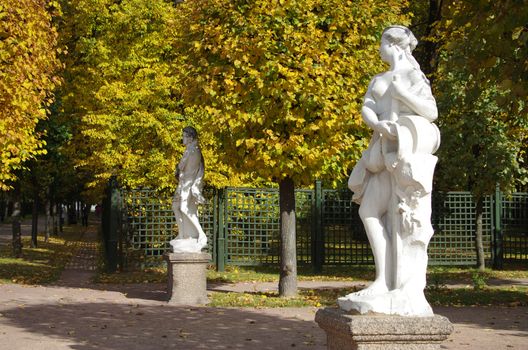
(401, 36)
(190, 131)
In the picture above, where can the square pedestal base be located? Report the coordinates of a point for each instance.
(345, 331)
(187, 280)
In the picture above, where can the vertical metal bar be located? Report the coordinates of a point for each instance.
(318, 245)
(214, 228)
(113, 225)
(220, 240)
(497, 232)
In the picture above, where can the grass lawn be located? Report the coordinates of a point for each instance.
(44, 265)
(472, 290)
(512, 296)
(437, 275)
(41, 265)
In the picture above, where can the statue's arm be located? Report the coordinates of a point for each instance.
(183, 162)
(196, 188)
(420, 101)
(368, 111)
(370, 115)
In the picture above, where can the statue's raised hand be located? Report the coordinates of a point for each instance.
(386, 128)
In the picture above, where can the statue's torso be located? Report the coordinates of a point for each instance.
(381, 93)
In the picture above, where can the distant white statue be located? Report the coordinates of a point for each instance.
(392, 181)
(189, 172)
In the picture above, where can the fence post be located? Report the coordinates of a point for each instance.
(220, 230)
(317, 237)
(110, 223)
(497, 230)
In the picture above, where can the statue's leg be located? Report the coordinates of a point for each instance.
(179, 218)
(192, 217)
(373, 208)
(190, 223)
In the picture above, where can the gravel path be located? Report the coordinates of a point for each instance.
(77, 314)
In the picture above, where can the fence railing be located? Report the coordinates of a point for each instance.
(242, 225)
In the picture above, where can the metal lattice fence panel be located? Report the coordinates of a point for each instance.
(514, 220)
(345, 240)
(304, 204)
(252, 226)
(329, 230)
(150, 223)
(453, 220)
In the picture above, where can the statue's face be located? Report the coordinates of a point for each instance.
(386, 49)
(186, 139)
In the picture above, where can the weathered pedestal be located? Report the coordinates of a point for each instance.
(187, 282)
(345, 331)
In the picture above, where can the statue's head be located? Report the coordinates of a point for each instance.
(189, 134)
(400, 36)
(398, 41)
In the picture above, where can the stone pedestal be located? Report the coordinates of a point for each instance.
(187, 280)
(345, 331)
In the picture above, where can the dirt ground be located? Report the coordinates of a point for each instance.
(77, 314)
(136, 317)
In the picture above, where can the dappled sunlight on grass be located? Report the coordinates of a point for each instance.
(442, 275)
(305, 297)
(511, 296)
(514, 296)
(234, 274)
(40, 265)
(437, 276)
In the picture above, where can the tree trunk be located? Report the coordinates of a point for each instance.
(17, 233)
(479, 244)
(49, 222)
(430, 47)
(55, 219)
(288, 261)
(3, 208)
(61, 218)
(34, 220)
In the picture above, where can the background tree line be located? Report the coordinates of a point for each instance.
(98, 88)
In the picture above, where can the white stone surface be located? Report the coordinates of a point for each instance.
(190, 171)
(187, 278)
(392, 182)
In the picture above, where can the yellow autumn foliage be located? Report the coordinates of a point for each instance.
(28, 62)
(280, 83)
(121, 94)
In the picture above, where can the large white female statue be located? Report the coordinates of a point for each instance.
(189, 172)
(392, 182)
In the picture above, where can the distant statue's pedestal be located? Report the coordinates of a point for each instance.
(187, 278)
(345, 331)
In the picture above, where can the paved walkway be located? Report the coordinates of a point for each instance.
(77, 314)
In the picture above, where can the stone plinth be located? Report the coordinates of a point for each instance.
(345, 331)
(187, 280)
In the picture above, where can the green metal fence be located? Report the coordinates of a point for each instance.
(149, 224)
(251, 226)
(242, 225)
(345, 240)
(453, 220)
(514, 226)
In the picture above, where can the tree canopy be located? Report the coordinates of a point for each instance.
(279, 83)
(481, 88)
(273, 87)
(28, 67)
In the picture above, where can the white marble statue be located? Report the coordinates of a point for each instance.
(392, 182)
(189, 172)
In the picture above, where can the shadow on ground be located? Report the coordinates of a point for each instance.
(107, 326)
